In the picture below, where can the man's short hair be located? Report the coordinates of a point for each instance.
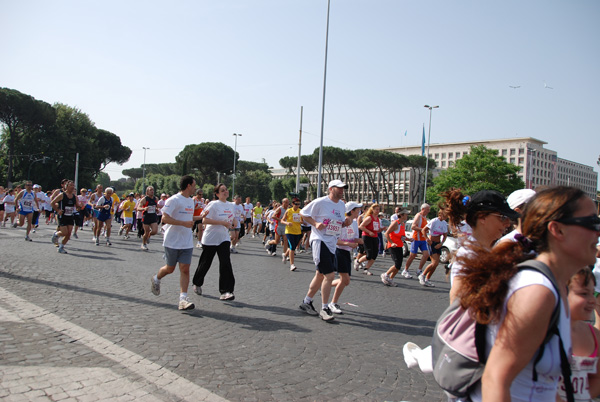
(425, 205)
(185, 182)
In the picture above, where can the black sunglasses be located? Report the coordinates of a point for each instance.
(588, 222)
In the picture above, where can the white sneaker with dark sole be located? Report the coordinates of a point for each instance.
(185, 304)
(326, 314)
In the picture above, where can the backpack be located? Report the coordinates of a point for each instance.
(459, 346)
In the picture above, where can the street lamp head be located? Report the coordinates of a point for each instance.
(236, 134)
(427, 106)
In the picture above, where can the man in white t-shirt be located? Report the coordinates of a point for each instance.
(240, 216)
(178, 241)
(247, 215)
(326, 215)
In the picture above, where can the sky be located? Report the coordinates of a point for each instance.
(162, 75)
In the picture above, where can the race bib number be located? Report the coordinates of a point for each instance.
(151, 209)
(28, 203)
(296, 217)
(375, 226)
(333, 228)
(350, 233)
(69, 211)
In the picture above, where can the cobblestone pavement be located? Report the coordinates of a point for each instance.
(85, 326)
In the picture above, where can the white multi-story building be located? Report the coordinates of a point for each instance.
(539, 167)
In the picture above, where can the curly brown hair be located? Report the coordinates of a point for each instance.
(486, 273)
(456, 209)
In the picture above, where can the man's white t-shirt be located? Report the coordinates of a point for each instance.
(248, 210)
(437, 227)
(239, 212)
(221, 211)
(331, 214)
(180, 208)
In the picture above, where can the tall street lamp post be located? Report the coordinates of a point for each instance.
(427, 156)
(144, 172)
(233, 176)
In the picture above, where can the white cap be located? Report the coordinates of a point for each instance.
(520, 197)
(337, 183)
(37, 186)
(351, 205)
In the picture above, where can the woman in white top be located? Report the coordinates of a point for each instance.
(9, 207)
(438, 231)
(219, 217)
(559, 224)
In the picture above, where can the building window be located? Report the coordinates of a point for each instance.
(457, 155)
(504, 152)
(444, 156)
(450, 155)
(512, 152)
(521, 151)
(512, 160)
(437, 156)
(443, 163)
(450, 164)
(521, 161)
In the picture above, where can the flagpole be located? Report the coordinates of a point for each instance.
(427, 156)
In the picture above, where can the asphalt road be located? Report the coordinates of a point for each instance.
(85, 326)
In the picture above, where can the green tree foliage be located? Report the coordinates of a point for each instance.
(41, 142)
(254, 184)
(21, 114)
(168, 184)
(481, 169)
(248, 166)
(205, 160)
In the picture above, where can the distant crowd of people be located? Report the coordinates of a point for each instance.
(558, 227)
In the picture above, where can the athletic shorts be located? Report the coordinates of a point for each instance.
(327, 261)
(344, 261)
(371, 247)
(104, 218)
(257, 221)
(397, 256)
(1, 206)
(78, 219)
(433, 250)
(248, 220)
(305, 228)
(48, 213)
(293, 240)
(128, 221)
(417, 245)
(66, 220)
(25, 213)
(174, 255)
(149, 219)
(281, 229)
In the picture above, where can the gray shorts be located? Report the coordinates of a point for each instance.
(174, 255)
(281, 229)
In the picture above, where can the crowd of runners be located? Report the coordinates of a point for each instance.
(557, 226)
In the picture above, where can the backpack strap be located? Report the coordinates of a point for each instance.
(565, 366)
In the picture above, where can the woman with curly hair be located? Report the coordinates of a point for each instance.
(561, 226)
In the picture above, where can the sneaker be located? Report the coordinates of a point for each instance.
(126, 237)
(227, 296)
(185, 304)
(62, 250)
(198, 290)
(292, 267)
(253, 236)
(108, 243)
(154, 287)
(356, 265)
(421, 279)
(385, 279)
(406, 274)
(27, 238)
(392, 283)
(283, 258)
(326, 314)
(308, 308)
(274, 254)
(367, 272)
(198, 245)
(121, 231)
(429, 284)
(75, 236)
(54, 238)
(268, 252)
(335, 308)
(144, 247)
(419, 272)
(14, 225)
(32, 230)
(97, 242)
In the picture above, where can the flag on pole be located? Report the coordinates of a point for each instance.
(406, 132)
(423, 142)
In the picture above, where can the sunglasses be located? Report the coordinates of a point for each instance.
(296, 203)
(588, 222)
(503, 218)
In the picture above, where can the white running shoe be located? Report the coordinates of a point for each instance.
(385, 279)
(429, 284)
(292, 267)
(406, 274)
(335, 308)
(421, 279)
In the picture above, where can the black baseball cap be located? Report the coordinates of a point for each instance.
(491, 200)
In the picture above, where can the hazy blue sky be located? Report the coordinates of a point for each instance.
(166, 74)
